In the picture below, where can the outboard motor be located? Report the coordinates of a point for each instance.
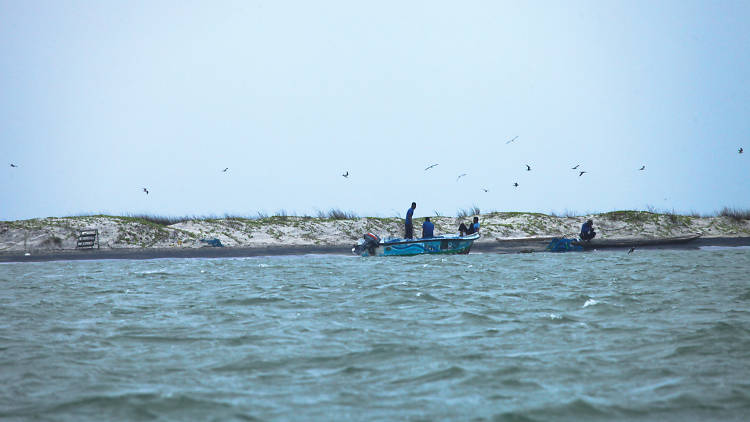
(368, 243)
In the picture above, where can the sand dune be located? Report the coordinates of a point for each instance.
(56, 233)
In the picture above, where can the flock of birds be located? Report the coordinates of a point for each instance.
(528, 168)
(431, 166)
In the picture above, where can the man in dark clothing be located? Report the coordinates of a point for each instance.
(427, 228)
(470, 229)
(587, 230)
(408, 226)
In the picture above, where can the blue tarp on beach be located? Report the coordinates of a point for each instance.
(213, 242)
(563, 245)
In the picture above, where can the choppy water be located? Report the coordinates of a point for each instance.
(655, 335)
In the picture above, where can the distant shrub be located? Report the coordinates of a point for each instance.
(338, 214)
(53, 241)
(629, 216)
(228, 216)
(474, 210)
(735, 214)
(161, 219)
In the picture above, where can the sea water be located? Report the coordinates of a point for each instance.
(652, 335)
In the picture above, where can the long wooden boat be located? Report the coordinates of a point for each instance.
(371, 245)
(632, 242)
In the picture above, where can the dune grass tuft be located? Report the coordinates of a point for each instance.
(735, 214)
(468, 212)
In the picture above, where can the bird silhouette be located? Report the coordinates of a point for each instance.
(515, 185)
(642, 168)
(632, 248)
(145, 190)
(346, 175)
(739, 150)
(13, 165)
(460, 176)
(511, 140)
(429, 167)
(581, 173)
(575, 168)
(528, 167)
(485, 189)
(225, 170)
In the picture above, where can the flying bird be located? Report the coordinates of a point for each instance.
(515, 185)
(225, 170)
(642, 168)
(13, 165)
(460, 176)
(632, 248)
(511, 140)
(429, 167)
(528, 167)
(580, 173)
(145, 190)
(485, 189)
(346, 175)
(739, 150)
(575, 168)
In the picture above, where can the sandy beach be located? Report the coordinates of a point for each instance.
(55, 238)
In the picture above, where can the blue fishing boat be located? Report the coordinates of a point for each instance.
(372, 245)
(568, 245)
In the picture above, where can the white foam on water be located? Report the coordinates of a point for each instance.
(590, 302)
(555, 316)
(722, 248)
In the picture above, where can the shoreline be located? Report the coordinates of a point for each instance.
(505, 246)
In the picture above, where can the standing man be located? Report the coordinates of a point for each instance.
(409, 226)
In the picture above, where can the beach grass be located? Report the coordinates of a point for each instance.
(468, 212)
(735, 214)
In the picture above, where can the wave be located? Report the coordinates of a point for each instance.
(590, 302)
(575, 410)
(139, 406)
(251, 301)
(454, 372)
(472, 318)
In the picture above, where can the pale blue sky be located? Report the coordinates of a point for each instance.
(99, 99)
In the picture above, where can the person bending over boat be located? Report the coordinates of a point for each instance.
(427, 229)
(408, 226)
(587, 230)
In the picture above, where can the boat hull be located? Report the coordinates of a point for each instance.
(635, 242)
(434, 245)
